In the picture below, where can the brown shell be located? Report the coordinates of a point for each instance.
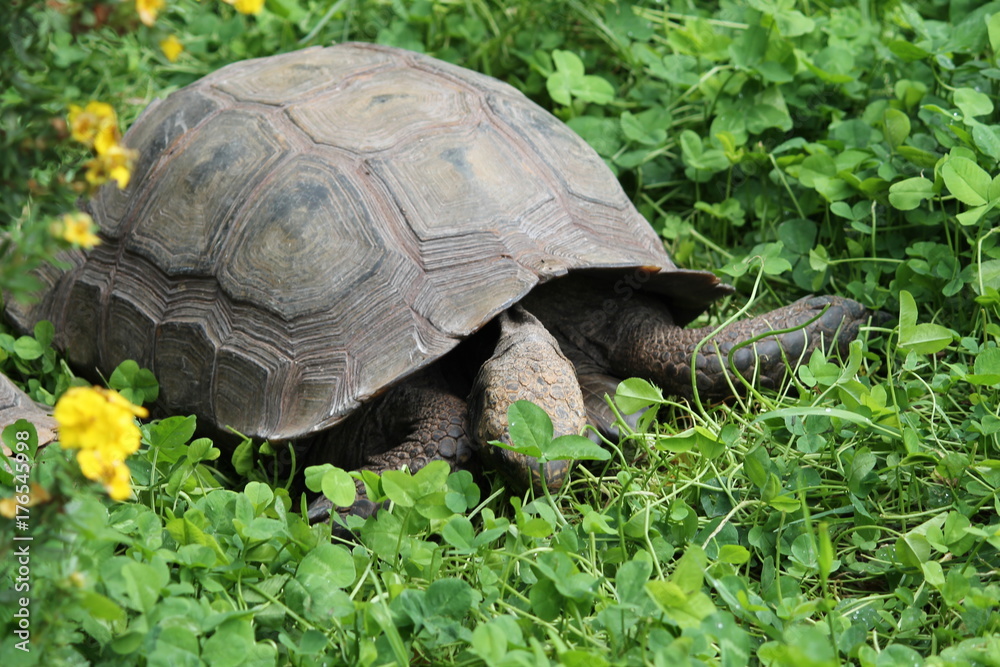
(303, 230)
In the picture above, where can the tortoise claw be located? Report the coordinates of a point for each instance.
(321, 510)
(835, 320)
(523, 471)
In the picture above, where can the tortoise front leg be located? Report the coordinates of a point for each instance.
(410, 425)
(527, 364)
(666, 352)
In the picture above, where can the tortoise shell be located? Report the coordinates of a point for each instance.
(304, 230)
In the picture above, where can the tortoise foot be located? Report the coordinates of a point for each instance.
(407, 427)
(811, 323)
(527, 364)
(322, 510)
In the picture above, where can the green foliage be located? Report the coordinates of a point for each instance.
(848, 518)
(531, 434)
(34, 359)
(136, 384)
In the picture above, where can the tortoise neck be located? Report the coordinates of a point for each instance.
(626, 333)
(645, 342)
(634, 335)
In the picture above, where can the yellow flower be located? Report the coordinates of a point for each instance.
(76, 228)
(96, 125)
(172, 48)
(116, 399)
(246, 6)
(36, 496)
(115, 163)
(106, 138)
(101, 424)
(148, 9)
(86, 122)
(119, 483)
(98, 419)
(111, 472)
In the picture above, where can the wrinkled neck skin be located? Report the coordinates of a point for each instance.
(620, 331)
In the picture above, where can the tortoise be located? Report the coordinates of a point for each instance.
(374, 252)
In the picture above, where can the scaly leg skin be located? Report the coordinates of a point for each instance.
(412, 425)
(762, 361)
(527, 365)
(595, 387)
